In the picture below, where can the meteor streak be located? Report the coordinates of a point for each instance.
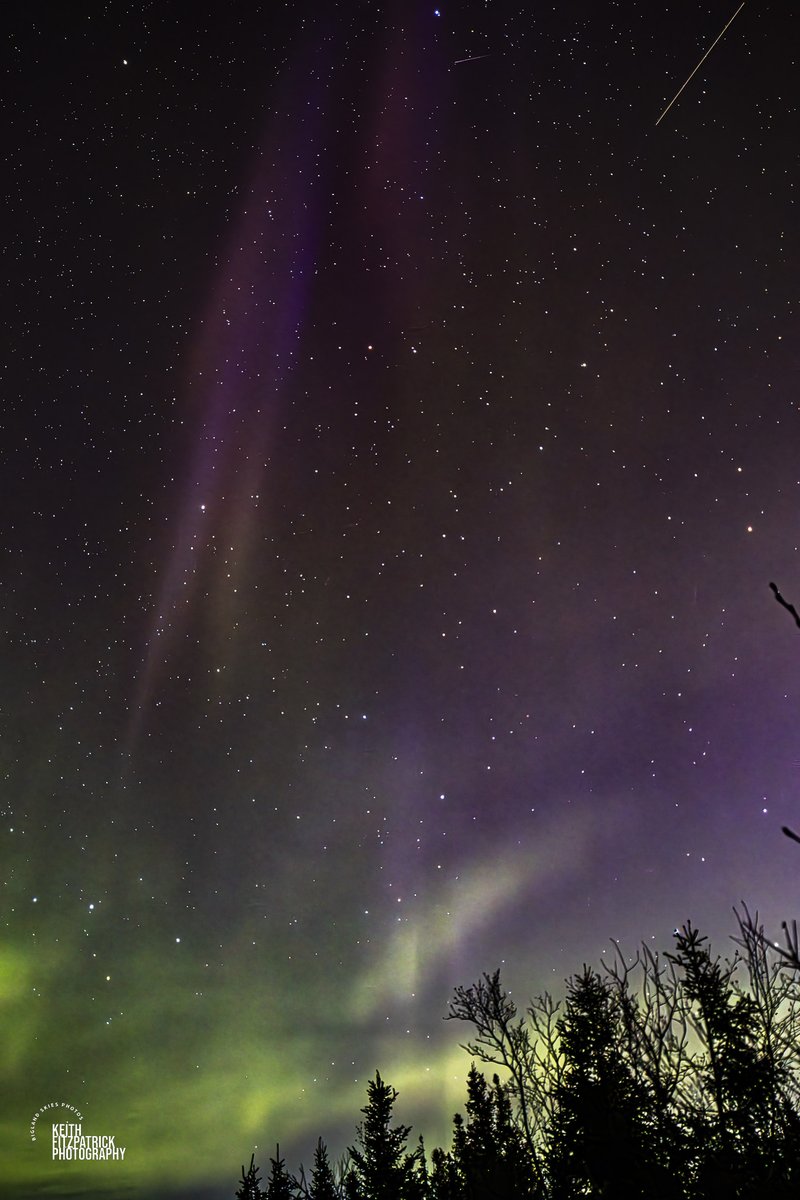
(702, 60)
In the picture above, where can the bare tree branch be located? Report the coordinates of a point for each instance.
(785, 604)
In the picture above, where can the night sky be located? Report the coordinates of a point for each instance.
(400, 431)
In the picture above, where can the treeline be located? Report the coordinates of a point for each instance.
(672, 1077)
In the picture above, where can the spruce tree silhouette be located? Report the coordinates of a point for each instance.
(489, 1152)
(323, 1182)
(280, 1185)
(735, 1133)
(417, 1182)
(351, 1188)
(250, 1186)
(601, 1139)
(445, 1180)
(383, 1168)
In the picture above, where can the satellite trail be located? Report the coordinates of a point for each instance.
(702, 60)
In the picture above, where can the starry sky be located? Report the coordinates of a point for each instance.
(400, 432)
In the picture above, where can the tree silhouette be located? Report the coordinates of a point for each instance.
(323, 1182)
(654, 1032)
(745, 1126)
(489, 1151)
(602, 1139)
(280, 1185)
(351, 1189)
(777, 1031)
(504, 1039)
(417, 1182)
(382, 1166)
(671, 1078)
(250, 1186)
(445, 1180)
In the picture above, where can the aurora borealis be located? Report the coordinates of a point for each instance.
(400, 432)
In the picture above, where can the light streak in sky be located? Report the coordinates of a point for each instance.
(702, 60)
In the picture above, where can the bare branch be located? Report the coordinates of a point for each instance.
(790, 608)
